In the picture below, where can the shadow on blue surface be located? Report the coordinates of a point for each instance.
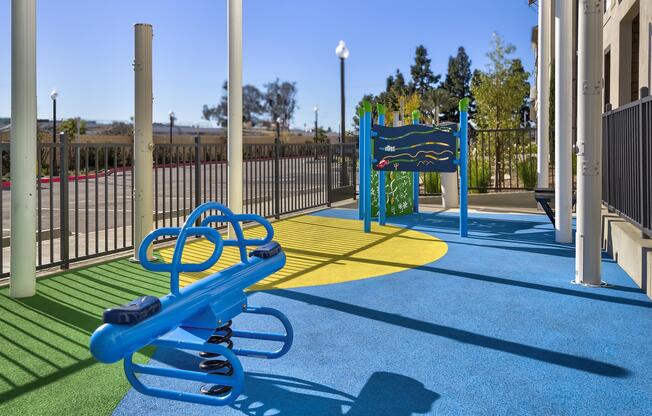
(541, 354)
(384, 393)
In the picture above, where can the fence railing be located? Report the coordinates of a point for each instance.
(627, 162)
(499, 160)
(84, 190)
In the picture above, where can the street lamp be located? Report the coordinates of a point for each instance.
(342, 52)
(172, 118)
(53, 95)
(316, 123)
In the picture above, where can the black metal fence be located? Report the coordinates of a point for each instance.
(85, 210)
(499, 160)
(627, 162)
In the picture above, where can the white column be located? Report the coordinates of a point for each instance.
(543, 93)
(563, 121)
(143, 141)
(235, 104)
(23, 148)
(449, 189)
(589, 142)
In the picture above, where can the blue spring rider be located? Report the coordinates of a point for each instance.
(197, 317)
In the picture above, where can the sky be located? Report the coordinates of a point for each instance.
(85, 50)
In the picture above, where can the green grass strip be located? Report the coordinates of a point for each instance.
(45, 365)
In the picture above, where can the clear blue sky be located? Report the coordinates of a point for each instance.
(85, 49)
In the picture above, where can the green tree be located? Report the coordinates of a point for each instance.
(423, 79)
(253, 105)
(458, 80)
(499, 93)
(280, 100)
(69, 127)
(438, 101)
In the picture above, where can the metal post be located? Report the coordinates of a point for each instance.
(589, 141)
(54, 137)
(63, 202)
(543, 93)
(415, 175)
(382, 203)
(344, 180)
(171, 127)
(235, 105)
(23, 148)
(464, 165)
(277, 172)
(143, 141)
(316, 123)
(367, 167)
(563, 121)
(361, 144)
(329, 174)
(198, 173)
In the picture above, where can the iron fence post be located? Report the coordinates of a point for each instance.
(354, 162)
(197, 174)
(277, 176)
(329, 168)
(644, 92)
(63, 183)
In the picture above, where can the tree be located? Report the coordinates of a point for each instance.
(252, 106)
(438, 101)
(499, 93)
(280, 100)
(458, 80)
(423, 79)
(119, 128)
(69, 127)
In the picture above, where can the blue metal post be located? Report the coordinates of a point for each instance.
(415, 175)
(361, 141)
(463, 165)
(367, 167)
(382, 203)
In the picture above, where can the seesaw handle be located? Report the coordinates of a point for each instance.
(240, 241)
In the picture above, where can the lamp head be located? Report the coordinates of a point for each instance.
(54, 94)
(342, 51)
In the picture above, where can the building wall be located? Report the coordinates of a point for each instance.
(617, 40)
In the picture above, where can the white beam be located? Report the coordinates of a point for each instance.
(143, 141)
(23, 148)
(543, 93)
(235, 104)
(589, 141)
(563, 121)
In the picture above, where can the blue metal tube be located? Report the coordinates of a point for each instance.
(361, 146)
(382, 203)
(367, 172)
(463, 166)
(111, 342)
(415, 176)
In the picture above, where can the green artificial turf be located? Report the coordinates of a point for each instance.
(45, 365)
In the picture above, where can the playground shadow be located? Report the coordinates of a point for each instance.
(384, 393)
(527, 351)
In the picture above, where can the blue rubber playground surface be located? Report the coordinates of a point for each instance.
(492, 327)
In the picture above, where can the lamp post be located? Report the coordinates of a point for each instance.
(53, 95)
(316, 123)
(342, 52)
(172, 118)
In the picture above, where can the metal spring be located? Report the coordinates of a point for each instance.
(217, 366)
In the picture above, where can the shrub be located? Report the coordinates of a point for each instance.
(479, 176)
(432, 183)
(527, 172)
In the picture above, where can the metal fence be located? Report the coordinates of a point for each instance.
(499, 160)
(84, 190)
(627, 162)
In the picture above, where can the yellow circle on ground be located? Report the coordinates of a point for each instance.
(322, 250)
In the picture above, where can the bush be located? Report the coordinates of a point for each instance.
(479, 176)
(432, 183)
(527, 172)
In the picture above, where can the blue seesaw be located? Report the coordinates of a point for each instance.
(198, 317)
